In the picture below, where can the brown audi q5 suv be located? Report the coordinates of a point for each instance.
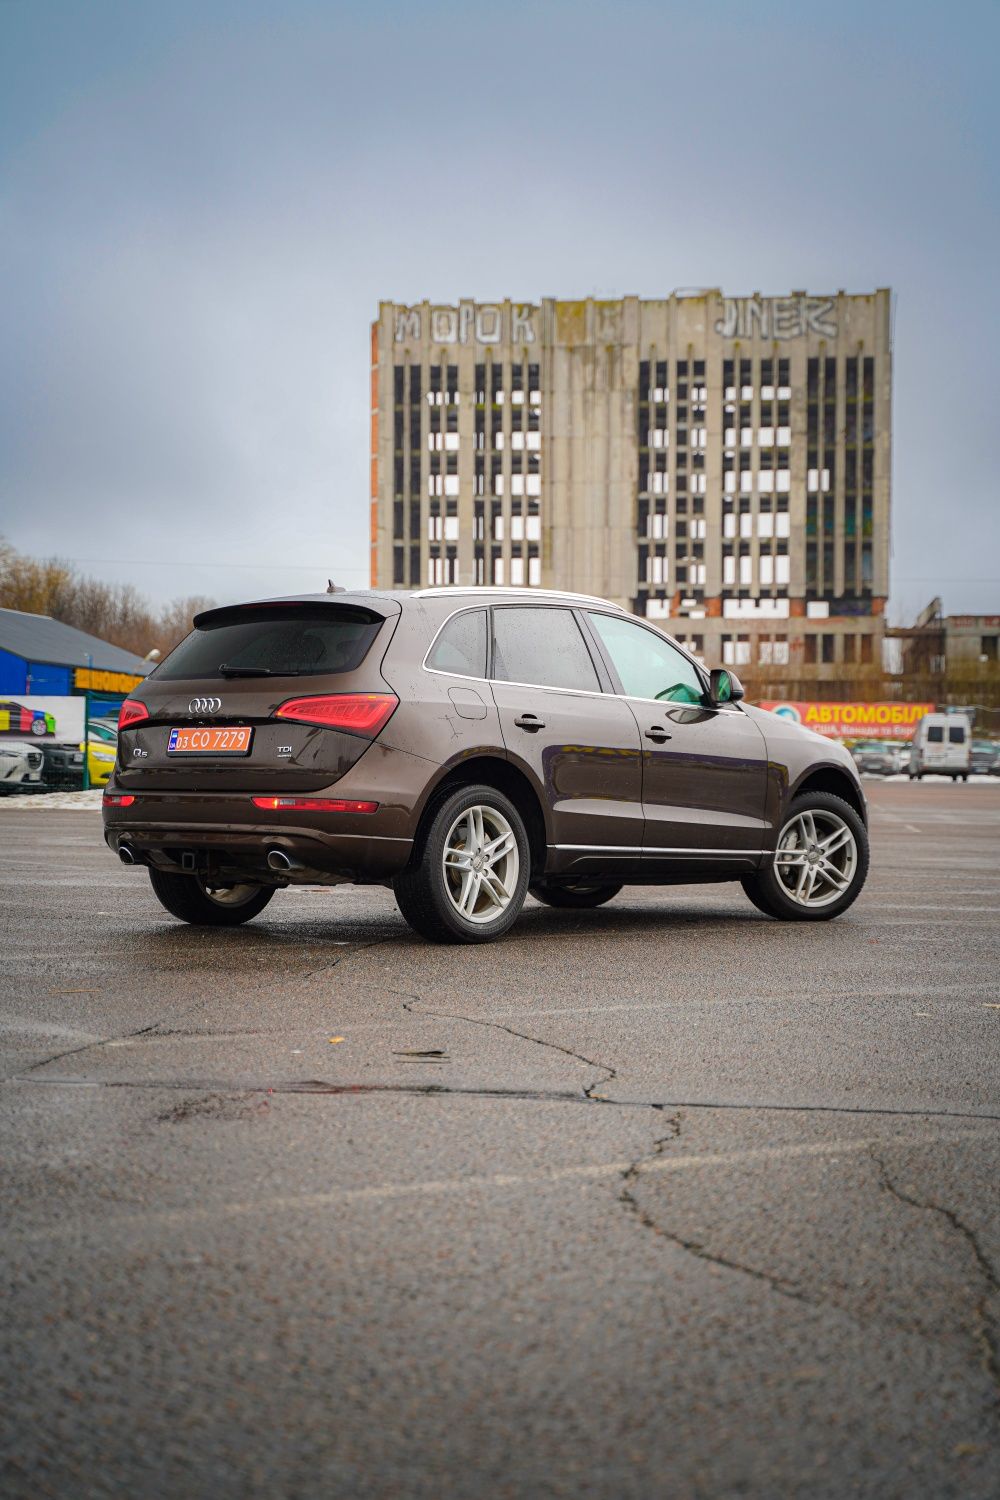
(467, 746)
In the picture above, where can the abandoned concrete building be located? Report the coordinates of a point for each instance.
(718, 464)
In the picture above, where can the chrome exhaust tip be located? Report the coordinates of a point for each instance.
(277, 859)
(126, 854)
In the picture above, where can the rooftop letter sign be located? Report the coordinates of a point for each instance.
(776, 317)
(469, 322)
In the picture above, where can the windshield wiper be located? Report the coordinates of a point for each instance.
(257, 671)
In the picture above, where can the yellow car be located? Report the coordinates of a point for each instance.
(101, 753)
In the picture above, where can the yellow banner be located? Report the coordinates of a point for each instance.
(105, 682)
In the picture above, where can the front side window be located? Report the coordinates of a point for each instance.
(648, 666)
(541, 646)
(461, 646)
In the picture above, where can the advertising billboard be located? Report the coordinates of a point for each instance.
(855, 721)
(27, 717)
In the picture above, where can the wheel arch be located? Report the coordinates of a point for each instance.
(490, 770)
(836, 781)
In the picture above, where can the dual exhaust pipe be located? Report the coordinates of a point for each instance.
(277, 859)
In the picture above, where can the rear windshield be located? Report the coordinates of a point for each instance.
(956, 734)
(300, 642)
(935, 734)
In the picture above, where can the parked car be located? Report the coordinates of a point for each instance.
(874, 759)
(899, 750)
(20, 765)
(62, 765)
(101, 753)
(984, 758)
(940, 747)
(466, 746)
(15, 718)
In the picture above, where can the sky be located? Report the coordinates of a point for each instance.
(201, 205)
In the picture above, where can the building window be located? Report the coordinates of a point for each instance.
(773, 653)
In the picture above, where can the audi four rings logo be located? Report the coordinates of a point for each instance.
(204, 705)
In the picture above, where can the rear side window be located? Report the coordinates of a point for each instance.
(292, 642)
(935, 734)
(542, 646)
(956, 734)
(461, 645)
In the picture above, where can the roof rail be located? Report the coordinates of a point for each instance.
(444, 590)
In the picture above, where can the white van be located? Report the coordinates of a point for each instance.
(941, 746)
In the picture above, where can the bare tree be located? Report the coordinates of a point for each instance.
(114, 612)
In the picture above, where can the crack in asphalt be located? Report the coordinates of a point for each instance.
(413, 1004)
(95, 1046)
(632, 1206)
(559, 1096)
(986, 1332)
(352, 952)
(323, 1086)
(155, 1026)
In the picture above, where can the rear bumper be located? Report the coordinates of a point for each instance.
(219, 849)
(227, 834)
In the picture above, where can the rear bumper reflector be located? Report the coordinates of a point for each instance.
(117, 799)
(313, 804)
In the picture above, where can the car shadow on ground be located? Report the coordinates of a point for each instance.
(282, 937)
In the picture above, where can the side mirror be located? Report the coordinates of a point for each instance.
(724, 687)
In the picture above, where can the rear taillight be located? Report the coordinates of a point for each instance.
(132, 712)
(314, 804)
(358, 713)
(117, 799)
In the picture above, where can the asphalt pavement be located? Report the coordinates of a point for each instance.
(665, 1199)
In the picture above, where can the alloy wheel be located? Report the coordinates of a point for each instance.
(481, 864)
(816, 858)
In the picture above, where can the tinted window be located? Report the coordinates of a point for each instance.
(542, 646)
(649, 667)
(461, 646)
(956, 734)
(285, 641)
(935, 734)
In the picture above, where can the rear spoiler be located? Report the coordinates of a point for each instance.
(370, 607)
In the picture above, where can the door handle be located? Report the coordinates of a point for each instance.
(655, 732)
(530, 721)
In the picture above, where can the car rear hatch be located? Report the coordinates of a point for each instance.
(280, 697)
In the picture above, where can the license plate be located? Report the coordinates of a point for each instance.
(232, 740)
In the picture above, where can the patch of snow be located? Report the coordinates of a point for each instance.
(77, 801)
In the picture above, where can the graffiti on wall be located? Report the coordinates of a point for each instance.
(777, 317)
(469, 322)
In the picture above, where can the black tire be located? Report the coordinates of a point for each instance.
(583, 896)
(768, 894)
(422, 889)
(185, 897)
